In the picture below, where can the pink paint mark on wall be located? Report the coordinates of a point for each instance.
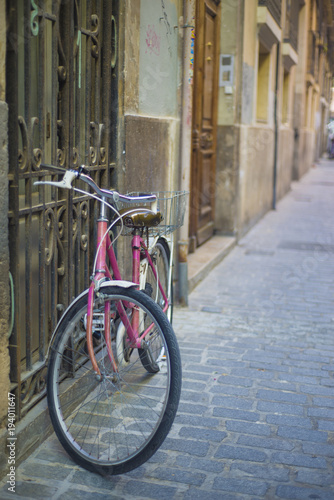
(152, 41)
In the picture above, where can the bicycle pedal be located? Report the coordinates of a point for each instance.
(148, 289)
(97, 335)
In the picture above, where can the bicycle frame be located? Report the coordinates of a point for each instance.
(104, 249)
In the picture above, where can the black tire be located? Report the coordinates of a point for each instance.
(161, 259)
(117, 423)
(160, 256)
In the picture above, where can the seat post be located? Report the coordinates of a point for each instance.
(135, 244)
(103, 209)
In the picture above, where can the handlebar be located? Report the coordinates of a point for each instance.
(82, 174)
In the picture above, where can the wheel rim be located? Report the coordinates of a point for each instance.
(117, 416)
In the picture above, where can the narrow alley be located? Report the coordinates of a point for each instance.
(256, 418)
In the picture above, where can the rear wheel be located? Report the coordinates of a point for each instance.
(114, 422)
(160, 256)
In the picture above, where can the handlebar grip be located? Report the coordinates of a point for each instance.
(56, 169)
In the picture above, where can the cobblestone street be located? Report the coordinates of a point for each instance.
(256, 418)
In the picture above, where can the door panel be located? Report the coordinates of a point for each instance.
(204, 122)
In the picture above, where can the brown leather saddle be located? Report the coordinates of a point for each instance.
(140, 217)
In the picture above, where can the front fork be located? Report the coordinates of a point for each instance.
(132, 327)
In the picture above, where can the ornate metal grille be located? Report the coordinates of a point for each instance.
(61, 80)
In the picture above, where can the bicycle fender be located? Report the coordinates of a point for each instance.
(119, 283)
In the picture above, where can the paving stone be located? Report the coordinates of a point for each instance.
(199, 449)
(237, 414)
(78, 494)
(232, 391)
(324, 402)
(207, 465)
(323, 391)
(241, 486)
(289, 420)
(296, 493)
(281, 385)
(202, 434)
(238, 453)
(46, 471)
(94, 480)
(321, 412)
(288, 397)
(230, 402)
(298, 379)
(299, 460)
(319, 449)
(192, 409)
(315, 478)
(149, 490)
(195, 397)
(248, 428)
(302, 434)
(268, 443)
(235, 381)
(197, 420)
(325, 425)
(280, 408)
(179, 476)
(262, 471)
(193, 494)
(27, 490)
(50, 455)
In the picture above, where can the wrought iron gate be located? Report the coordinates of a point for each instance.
(61, 90)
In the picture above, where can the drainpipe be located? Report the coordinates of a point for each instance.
(276, 129)
(185, 141)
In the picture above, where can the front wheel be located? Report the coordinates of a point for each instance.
(113, 422)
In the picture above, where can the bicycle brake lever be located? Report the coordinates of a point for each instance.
(65, 183)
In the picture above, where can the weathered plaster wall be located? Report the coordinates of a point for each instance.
(256, 174)
(227, 179)
(150, 91)
(285, 161)
(158, 59)
(151, 148)
(249, 60)
(305, 150)
(227, 165)
(151, 95)
(129, 87)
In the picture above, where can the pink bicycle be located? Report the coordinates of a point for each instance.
(114, 370)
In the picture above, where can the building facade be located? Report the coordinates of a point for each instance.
(226, 99)
(272, 126)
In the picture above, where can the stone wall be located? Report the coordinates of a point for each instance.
(284, 161)
(227, 179)
(256, 174)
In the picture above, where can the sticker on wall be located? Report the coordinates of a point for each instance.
(226, 70)
(192, 52)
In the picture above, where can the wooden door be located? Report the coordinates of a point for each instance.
(204, 122)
